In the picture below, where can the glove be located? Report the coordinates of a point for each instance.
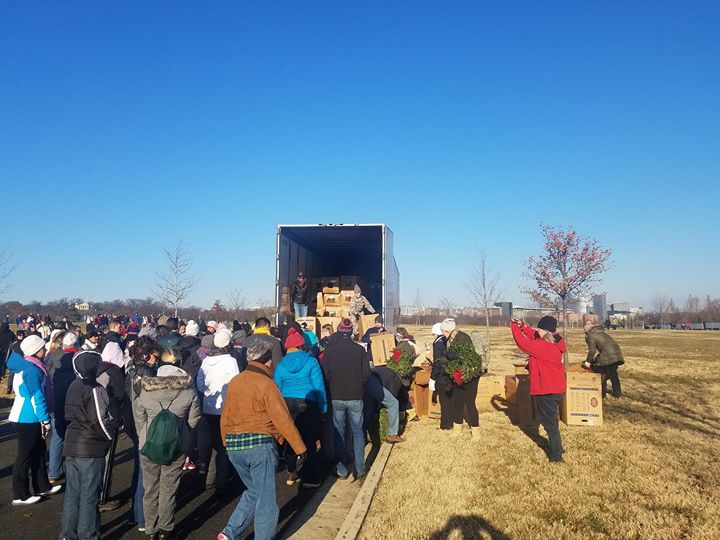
(301, 459)
(586, 364)
(451, 355)
(45, 429)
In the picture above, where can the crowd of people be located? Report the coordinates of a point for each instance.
(232, 399)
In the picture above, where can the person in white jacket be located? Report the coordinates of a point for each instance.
(217, 370)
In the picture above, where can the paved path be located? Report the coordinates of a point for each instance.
(200, 513)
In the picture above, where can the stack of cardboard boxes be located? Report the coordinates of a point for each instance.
(333, 299)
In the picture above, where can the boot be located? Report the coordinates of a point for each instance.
(457, 430)
(475, 434)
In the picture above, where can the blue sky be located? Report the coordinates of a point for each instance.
(463, 126)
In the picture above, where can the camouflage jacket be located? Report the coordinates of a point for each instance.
(358, 304)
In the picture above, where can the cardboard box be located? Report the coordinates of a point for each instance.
(311, 323)
(334, 312)
(348, 282)
(582, 404)
(320, 304)
(346, 297)
(517, 392)
(365, 322)
(331, 282)
(520, 369)
(381, 346)
(332, 321)
(331, 290)
(331, 300)
(490, 387)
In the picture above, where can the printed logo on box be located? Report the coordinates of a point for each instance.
(594, 402)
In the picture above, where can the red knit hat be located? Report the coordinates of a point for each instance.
(294, 340)
(345, 327)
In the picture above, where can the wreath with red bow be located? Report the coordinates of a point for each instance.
(400, 362)
(466, 364)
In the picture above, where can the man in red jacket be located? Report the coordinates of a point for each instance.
(547, 374)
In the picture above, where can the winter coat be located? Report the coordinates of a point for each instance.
(31, 392)
(175, 393)
(212, 381)
(358, 304)
(255, 405)
(298, 375)
(63, 375)
(90, 426)
(170, 340)
(7, 338)
(391, 381)
(188, 347)
(547, 371)
(602, 349)
(113, 380)
(438, 374)
(300, 293)
(346, 368)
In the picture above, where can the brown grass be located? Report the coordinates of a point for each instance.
(651, 471)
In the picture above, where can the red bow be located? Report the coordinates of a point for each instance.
(457, 376)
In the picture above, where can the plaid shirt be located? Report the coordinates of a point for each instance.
(245, 441)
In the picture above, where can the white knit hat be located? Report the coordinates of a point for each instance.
(32, 344)
(192, 328)
(437, 329)
(448, 325)
(222, 338)
(69, 340)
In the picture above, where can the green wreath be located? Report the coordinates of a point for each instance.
(400, 362)
(466, 366)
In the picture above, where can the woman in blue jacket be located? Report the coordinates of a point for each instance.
(30, 414)
(301, 383)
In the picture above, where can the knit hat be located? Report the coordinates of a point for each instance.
(294, 340)
(69, 340)
(345, 326)
(192, 328)
(357, 289)
(134, 328)
(222, 338)
(437, 329)
(170, 370)
(448, 325)
(212, 324)
(379, 319)
(548, 323)
(207, 341)
(32, 344)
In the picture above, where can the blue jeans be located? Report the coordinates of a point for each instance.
(393, 412)
(137, 512)
(256, 467)
(81, 517)
(300, 310)
(55, 467)
(353, 409)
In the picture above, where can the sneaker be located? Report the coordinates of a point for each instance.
(109, 505)
(392, 439)
(52, 491)
(55, 481)
(188, 465)
(342, 476)
(29, 500)
(141, 528)
(292, 479)
(311, 485)
(221, 536)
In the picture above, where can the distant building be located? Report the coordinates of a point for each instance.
(506, 309)
(599, 303)
(620, 307)
(83, 307)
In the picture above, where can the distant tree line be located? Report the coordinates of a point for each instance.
(666, 311)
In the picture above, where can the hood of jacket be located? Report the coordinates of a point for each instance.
(17, 363)
(596, 328)
(113, 336)
(178, 382)
(296, 361)
(89, 364)
(212, 360)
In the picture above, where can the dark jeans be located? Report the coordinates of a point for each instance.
(30, 458)
(547, 408)
(222, 463)
(462, 403)
(446, 417)
(81, 517)
(306, 415)
(609, 372)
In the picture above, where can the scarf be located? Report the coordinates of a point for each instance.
(265, 331)
(47, 387)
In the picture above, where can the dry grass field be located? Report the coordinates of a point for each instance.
(651, 471)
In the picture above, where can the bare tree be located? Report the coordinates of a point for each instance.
(236, 302)
(484, 287)
(447, 307)
(175, 285)
(6, 268)
(418, 305)
(660, 306)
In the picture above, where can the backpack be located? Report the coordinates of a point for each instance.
(164, 436)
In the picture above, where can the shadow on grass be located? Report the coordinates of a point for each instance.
(470, 528)
(531, 431)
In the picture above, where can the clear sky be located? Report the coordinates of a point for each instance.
(126, 126)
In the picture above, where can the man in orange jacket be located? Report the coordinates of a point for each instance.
(254, 419)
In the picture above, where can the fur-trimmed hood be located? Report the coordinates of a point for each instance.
(179, 382)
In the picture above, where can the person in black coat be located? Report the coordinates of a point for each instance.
(300, 296)
(443, 384)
